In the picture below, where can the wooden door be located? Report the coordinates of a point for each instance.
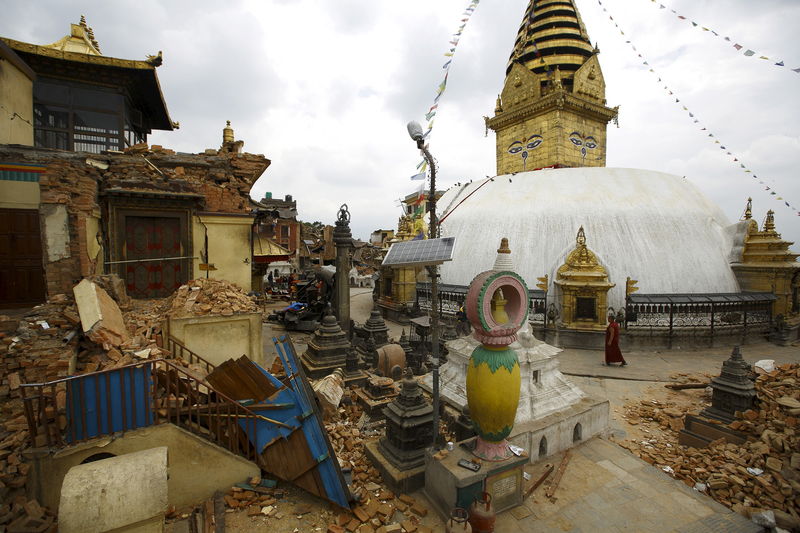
(152, 239)
(21, 269)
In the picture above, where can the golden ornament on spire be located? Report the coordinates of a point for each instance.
(227, 133)
(504, 249)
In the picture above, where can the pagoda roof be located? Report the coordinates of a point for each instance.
(60, 60)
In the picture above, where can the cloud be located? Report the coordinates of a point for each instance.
(324, 89)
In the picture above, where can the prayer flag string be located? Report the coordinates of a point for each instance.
(422, 166)
(696, 121)
(748, 52)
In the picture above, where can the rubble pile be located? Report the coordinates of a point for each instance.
(347, 436)
(32, 349)
(761, 474)
(202, 297)
(384, 512)
(27, 516)
(257, 499)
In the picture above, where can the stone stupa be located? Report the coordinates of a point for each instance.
(550, 407)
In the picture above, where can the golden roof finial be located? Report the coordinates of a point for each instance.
(504, 249)
(90, 33)
(769, 222)
(227, 133)
(83, 21)
(748, 211)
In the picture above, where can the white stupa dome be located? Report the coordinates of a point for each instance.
(656, 228)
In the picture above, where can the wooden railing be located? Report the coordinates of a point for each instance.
(179, 350)
(151, 392)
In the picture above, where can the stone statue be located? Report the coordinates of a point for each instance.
(621, 316)
(552, 314)
(344, 216)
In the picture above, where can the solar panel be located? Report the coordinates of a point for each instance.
(420, 253)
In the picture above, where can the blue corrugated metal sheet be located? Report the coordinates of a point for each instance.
(119, 398)
(298, 412)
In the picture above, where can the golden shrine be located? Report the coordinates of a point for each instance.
(584, 288)
(766, 264)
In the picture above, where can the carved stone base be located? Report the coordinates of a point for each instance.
(492, 451)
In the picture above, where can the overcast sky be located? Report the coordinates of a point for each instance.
(324, 89)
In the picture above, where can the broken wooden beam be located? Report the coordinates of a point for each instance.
(548, 470)
(684, 386)
(559, 473)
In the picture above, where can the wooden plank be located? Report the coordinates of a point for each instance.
(219, 513)
(559, 473)
(535, 486)
(241, 380)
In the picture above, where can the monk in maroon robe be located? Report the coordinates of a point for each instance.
(613, 353)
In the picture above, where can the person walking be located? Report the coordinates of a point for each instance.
(613, 353)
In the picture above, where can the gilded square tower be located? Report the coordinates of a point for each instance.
(552, 111)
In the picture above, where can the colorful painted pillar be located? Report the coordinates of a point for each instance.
(497, 307)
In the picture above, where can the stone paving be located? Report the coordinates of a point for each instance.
(658, 365)
(606, 489)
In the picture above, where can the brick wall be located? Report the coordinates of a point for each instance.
(77, 180)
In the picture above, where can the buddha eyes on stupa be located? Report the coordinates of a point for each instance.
(534, 141)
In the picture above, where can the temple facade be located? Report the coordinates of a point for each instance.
(552, 111)
(696, 273)
(82, 193)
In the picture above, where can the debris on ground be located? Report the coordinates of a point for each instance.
(202, 297)
(24, 515)
(329, 391)
(48, 343)
(761, 474)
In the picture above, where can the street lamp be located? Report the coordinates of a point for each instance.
(415, 131)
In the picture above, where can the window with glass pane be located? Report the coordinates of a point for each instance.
(69, 116)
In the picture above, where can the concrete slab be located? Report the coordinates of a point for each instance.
(125, 493)
(101, 317)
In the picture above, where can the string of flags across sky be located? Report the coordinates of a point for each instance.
(696, 121)
(422, 166)
(747, 51)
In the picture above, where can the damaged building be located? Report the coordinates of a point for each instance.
(82, 193)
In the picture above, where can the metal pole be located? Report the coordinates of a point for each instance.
(433, 271)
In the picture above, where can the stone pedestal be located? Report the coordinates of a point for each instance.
(400, 454)
(448, 485)
(698, 433)
(733, 390)
(376, 326)
(354, 375)
(368, 352)
(550, 406)
(376, 394)
(327, 350)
